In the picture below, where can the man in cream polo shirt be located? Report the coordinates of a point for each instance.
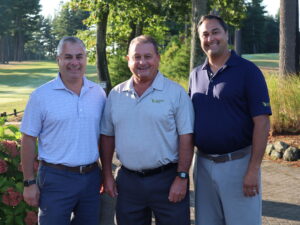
(148, 120)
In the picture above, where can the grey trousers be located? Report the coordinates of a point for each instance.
(219, 194)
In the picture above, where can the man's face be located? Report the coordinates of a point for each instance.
(213, 38)
(72, 61)
(143, 61)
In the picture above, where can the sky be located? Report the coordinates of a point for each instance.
(49, 7)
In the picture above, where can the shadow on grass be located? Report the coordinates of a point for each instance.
(281, 210)
(29, 71)
(24, 80)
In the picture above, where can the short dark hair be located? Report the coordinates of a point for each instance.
(69, 39)
(144, 39)
(213, 17)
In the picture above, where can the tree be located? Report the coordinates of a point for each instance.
(199, 8)
(253, 28)
(69, 20)
(18, 20)
(288, 55)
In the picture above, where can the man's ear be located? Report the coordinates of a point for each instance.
(127, 57)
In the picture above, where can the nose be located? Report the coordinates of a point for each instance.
(210, 37)
(74, 61)
(142, 60)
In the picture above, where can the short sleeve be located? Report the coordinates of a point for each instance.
(257, 93)
(32, 118)
(107, 127)
(184, 114)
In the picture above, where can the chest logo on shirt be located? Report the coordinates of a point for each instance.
(157, 100)
(266, 104)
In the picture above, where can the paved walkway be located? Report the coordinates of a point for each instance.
(281, 196)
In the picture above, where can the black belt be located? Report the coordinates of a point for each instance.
(77, 169)
(226, 157)
(149, 172)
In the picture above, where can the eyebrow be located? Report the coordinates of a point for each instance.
(76, 55)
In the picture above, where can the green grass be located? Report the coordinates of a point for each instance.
(264, 60)
(19, 79)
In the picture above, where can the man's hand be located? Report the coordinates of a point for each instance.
(178, 190)
(31, 195)
(251, 184)
(109, 186)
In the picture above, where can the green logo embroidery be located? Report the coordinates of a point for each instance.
(157, 100)
(265, 104)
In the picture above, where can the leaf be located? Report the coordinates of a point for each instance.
(19, 187)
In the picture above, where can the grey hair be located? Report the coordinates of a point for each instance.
(144, 39)
(71, 40)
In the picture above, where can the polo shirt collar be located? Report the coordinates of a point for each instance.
(59, 84)
(157, 83)
(232, 61)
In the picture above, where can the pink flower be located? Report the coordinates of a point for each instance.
(11, 148)
(3, 166)
(11, 197)
(31, 218)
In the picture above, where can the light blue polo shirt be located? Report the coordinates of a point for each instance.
(67, 125)
(146, 128)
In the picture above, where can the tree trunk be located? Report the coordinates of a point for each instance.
(132, 26)
(199, 8)
(238, 41)
(102, 67)
(288, 37)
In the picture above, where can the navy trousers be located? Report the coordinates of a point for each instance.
(139, 197)
(68, 197)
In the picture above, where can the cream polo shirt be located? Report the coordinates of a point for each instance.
(146, 128)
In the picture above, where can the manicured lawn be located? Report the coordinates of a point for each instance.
(264, 60)
(19, 79)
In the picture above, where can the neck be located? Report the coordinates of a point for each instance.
(141, 85)
(74, 85)
(216, 62)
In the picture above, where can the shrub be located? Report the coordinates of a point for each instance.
(285, 102)
(13, 209)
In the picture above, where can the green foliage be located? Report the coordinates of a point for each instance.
(175, 60)
(232, 11)
(69, 20)
(253, 28)
(119, 71)
(285, 102)
(13, 210)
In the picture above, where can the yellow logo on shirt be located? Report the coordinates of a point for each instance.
(157, 100)
(266, 104)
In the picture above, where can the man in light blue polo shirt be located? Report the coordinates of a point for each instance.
(148, 120)
(64, 115)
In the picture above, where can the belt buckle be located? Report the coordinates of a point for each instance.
(81, 168)
(142, 173)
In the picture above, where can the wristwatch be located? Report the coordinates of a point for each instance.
(27, 183)
(183, 175)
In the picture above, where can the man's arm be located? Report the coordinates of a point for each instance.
(259, 142)
(179, 187)
(31, 194)
(107, 148)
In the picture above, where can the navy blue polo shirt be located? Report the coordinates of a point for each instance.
(226, 103)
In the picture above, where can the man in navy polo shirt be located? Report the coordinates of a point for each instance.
(232, 109)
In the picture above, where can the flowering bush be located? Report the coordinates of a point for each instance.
(13, 209)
